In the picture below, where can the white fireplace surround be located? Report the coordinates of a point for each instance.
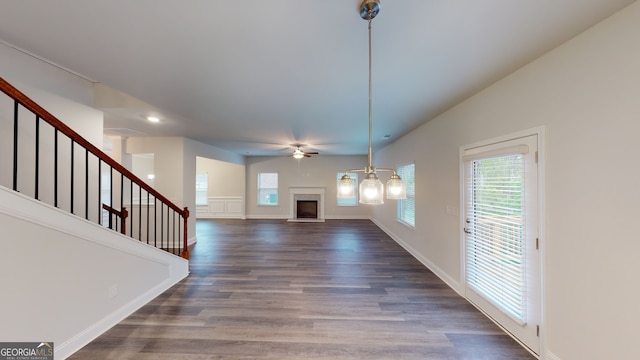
(306, 193)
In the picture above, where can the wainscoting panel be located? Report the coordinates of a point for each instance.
(222, 207)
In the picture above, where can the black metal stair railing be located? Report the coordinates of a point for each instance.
(54, 164)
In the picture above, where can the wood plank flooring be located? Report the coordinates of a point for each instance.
(271, 289)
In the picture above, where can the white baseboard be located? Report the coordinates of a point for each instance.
(217, 216)
(451, 282)
(328, 217)
(551, 356)
(267, 217)
(348, 217)
(77, 342)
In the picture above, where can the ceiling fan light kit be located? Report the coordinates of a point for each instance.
(299, 154)
(371, 190)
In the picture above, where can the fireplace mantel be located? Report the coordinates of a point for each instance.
(306, 193)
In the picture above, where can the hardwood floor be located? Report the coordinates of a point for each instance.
(269, 289)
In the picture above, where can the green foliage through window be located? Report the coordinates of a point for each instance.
(407, 207)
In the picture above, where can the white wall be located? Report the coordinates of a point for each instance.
(587, 95)
(316, 171)
(143, 165)
(21, 69)
(68, 280)
(224, 179)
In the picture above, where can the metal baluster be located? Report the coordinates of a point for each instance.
(173, 241)
(148, 216)
(86, 183)
(37, 185)
(110, 196)
(131, 207)
(139, 212)
(155, 221)
(161, 223)
(121, 200)
(55, 168)
(99, 191)
(72, 177)
(15, 145)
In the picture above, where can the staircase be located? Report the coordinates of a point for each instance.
(86, 242)
(44, 159)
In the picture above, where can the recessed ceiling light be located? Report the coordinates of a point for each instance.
(153, 119)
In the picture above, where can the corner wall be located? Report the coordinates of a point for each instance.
(587, 95)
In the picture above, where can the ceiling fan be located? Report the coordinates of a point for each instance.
(299, 154)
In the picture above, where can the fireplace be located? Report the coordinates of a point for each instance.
(306, 204)
(306, 209)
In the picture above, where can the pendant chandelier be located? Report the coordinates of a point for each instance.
(371, 190)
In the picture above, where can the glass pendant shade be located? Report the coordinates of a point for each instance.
(396, 188)
(371, 190)
(345, 187)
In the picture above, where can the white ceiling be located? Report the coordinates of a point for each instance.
(254, 77)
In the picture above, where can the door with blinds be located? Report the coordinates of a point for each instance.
(502, 260)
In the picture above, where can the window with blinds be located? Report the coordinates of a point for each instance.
(268, 189)
(407, 207)
(495, 262)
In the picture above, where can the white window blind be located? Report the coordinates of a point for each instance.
(407, 207)
(495, 259)
(268, 189)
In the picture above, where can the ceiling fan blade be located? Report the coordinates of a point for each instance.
(311, 153)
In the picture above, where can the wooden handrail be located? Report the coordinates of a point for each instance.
(62, 127)
(124, 213)
(121, 214)
(29, 104)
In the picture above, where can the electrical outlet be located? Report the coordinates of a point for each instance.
(113, 291)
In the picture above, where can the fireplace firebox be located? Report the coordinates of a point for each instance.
(307, 209)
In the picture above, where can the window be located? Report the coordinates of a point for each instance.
(352, 201)
(202, 185)
(407, 207)
(268, 189)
